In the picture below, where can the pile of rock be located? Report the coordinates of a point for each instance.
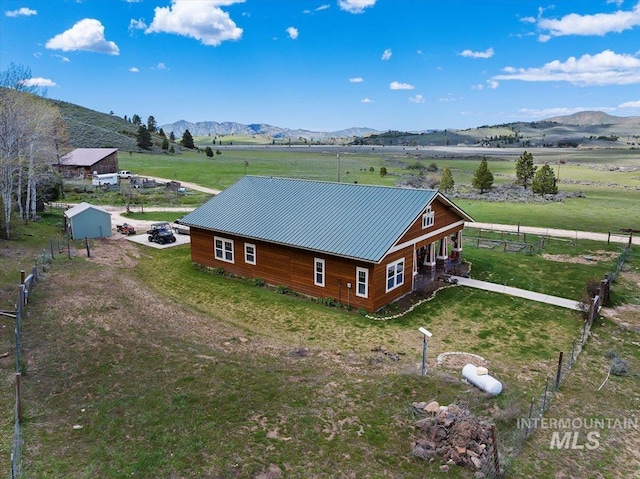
(454, 434)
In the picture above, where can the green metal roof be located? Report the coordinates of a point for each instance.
(345, 219)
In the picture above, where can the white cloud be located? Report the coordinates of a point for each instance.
(40, 82)
(62, 58)
(356, 80)
(616, 2)
(488, 53)
(492, 84)
(202, 20)
(86, 35)
(604, 68)
(134, 70)
(598, 24)
(479, 86)
(386, 55)
(366, 100)
(292, 32)
(394, 85)
(323, 7)
(21, 12)
(355, 6)
(161, 66)
(416, 99)
(630, 104)
(137, 24)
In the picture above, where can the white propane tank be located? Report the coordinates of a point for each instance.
(484, 381)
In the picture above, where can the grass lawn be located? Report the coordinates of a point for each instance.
(175, 372)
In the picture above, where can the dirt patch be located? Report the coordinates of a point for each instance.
(458, 360)
(591, 258)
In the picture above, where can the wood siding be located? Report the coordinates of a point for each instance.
(294, 267)
(291, 267)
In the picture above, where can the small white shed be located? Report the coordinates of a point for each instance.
(87, 221)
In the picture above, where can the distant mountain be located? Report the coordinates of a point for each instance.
(587, 129)
(213, 128)
(88, 128)
(590, 118)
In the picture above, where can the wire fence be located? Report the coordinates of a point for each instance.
(510, 442)
(27, 284)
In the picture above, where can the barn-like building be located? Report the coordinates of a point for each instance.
(87, 221)
(362, 245)
(84, 162)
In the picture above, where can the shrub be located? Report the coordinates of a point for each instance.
(218, 270)
(282, 289)
(258, 282)
(329, 302)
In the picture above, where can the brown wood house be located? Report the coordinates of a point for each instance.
(84, 162)
(364, 246)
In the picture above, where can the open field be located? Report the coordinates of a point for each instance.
(181, 373)
(609, 180)
(170, 371)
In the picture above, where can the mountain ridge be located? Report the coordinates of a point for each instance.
(207, 128)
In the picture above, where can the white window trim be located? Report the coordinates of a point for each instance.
(428, 218)
(316, 262)
(246, 254)
(365, 282)
(225, 241)
(395, 275)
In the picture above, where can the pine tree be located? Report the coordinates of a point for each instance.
(544, 182)
(152, 126)
(208, 151)
(165, 143)
(136, 120)
(525, 170)
(143, 138)
(483, 178)
(446, 182)
(172, 137)
(187, 140)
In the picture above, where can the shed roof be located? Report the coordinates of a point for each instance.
(85, 156)
(344, 219)
(79, 208)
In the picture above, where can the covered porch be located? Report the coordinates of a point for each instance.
(436, 259)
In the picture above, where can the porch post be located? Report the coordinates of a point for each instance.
(430, 258)
(442, 249)
(457, 244)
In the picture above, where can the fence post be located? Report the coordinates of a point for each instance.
(51, 245)
(496, 458)
(86, 243)
(559, 373)
(69, 248)
(573, 347)
(544, 398)
(19, 396)
(23, 275)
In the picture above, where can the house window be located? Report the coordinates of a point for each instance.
(250, 253)
(318, 272)
(362, 282)
(427, 218)
(395, 274)
(223, 249)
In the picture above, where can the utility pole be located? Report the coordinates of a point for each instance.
(338, 159)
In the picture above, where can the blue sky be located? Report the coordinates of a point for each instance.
(331, 64)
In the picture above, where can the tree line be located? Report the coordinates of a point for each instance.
(31, 134)
(541, 180)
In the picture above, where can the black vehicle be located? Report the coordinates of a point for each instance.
(161, 233)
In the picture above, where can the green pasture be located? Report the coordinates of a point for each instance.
(609, 181)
